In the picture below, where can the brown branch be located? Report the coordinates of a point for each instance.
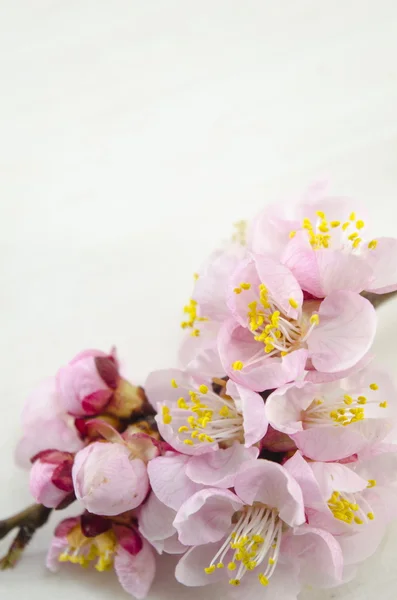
(28, 521)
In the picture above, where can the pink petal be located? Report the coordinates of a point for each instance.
(383, 261)
(210, 288)
(253, 411)
(43, 404)
(300, 470)
(319, 377)
(55, 433)
(169, 480)
(335, 476)
(317, 553)
(156, 519)
(190, 569)
(206, 516)
(339, 270)
(107, 481)
(345, 333)
(281, 284)
(158, 386)
(238, 303)
(219, 469)
(285, 405)
(57, 546)
(361, 545)
(300, 258)
(334, 443)
(269, 483)
(41, 486)
(135, 573)
(270, 231)
(199, 355)
(236, 343)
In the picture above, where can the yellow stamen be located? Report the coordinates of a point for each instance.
(188, 442)
(237, 290)
(360, 224)
(357, 242)
(371, 516)
(352, 216)
(335, 223)
(224, 411)
(315, 319)
(203, 388)
(196, 276)
(383, 404)
(358, 520)
(232, 566)
(293, 303)
(220, 566)
(372, 244)
(348, 399)
(361, 400)
(345, 225)
(352, 236)
(374, 386)
(210, 570)
(181, 403)
(245, 286)
(320, 214)
(237, 365)
(183, 429)
(371, 483)
(174, 383)
(235, 582)
(263, 580)
(292, 234)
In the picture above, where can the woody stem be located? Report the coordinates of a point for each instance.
(27, 521)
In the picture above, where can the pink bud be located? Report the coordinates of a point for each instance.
(50, 477)
(88, 382)
(108, 480)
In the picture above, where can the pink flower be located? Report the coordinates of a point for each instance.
(206, 310)
(45, 425)
(156, 525)
(255, 536)
(331, 421)
(325, 244)
(110, 478)
(88, 382)
(91, 540)
(175, 477)
(275, 333)
(51, 478)
(193, 419)
(355, 502)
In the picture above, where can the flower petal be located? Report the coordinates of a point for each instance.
(303, 474)
(169, 481)
(253, 410)
(156, 520)
(383, 260)
(57, 546)
(345, 332)
(220, 468)
(190, 569)
(206, 516)
(317, 553)
(335, 476)
(269, 483)
(135, 573)
(281, 284)
(285, 405)
(236, 343)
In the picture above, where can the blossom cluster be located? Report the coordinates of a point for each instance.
(266, 460)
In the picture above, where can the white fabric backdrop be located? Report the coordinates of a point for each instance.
(133, 133)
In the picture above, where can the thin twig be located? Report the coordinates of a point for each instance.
(27, 521)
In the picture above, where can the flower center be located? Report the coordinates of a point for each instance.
(203, 417)
(82, 550)
(342, 410)
(253, 542)
(351, 508)
(278, 333)
(320, 234)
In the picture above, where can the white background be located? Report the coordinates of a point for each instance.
(133, 133)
